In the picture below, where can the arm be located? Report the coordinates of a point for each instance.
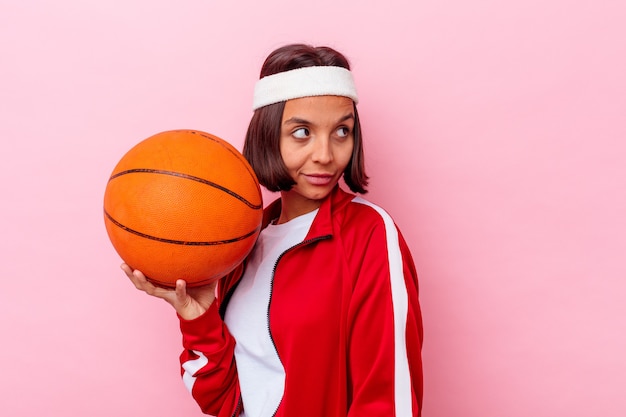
(207, 362)
(385, 329)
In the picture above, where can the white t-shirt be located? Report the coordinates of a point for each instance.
(261, 374)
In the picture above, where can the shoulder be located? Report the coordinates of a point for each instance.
(343, 205)
(366, 207)
(366, 226)
(362, 213)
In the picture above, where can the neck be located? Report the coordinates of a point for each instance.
(293, 206)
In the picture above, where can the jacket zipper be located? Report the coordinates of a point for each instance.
(238, 407)
(269, 331)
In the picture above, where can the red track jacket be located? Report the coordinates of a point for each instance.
(344, 317)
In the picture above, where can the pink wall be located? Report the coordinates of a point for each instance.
(495, 134)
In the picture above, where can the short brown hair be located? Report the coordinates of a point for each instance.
(262, 144)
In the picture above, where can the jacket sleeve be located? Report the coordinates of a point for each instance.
(385, 328)
(208, 364)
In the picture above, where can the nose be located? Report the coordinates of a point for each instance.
(322, 150)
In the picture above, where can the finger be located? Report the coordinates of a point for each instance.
(181, 291)
(136, 276)
(127, 269)
(139, 280)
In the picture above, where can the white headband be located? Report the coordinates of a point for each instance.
(304, 82)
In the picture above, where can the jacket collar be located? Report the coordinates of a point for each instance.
(328, 211)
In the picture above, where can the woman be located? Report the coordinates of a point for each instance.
(325, 310)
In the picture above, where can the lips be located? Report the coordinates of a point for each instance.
(319, 179)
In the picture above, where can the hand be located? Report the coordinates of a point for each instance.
(189, 303)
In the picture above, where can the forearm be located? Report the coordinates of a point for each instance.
(207, 363)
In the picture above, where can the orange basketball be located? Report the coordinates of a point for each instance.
(185, 205)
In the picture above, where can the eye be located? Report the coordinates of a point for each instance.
(343, 132)
(301, 133)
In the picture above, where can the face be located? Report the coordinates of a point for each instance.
(316, 145)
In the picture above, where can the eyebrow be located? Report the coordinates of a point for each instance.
(300, 121)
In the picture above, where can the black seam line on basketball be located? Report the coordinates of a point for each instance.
(180, 242)
(188, 177)
(223, 145)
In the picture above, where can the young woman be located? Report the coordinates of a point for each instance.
(322, 319)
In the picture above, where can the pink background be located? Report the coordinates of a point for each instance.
(495, 135)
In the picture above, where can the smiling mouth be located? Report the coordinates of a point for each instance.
(321, 179)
